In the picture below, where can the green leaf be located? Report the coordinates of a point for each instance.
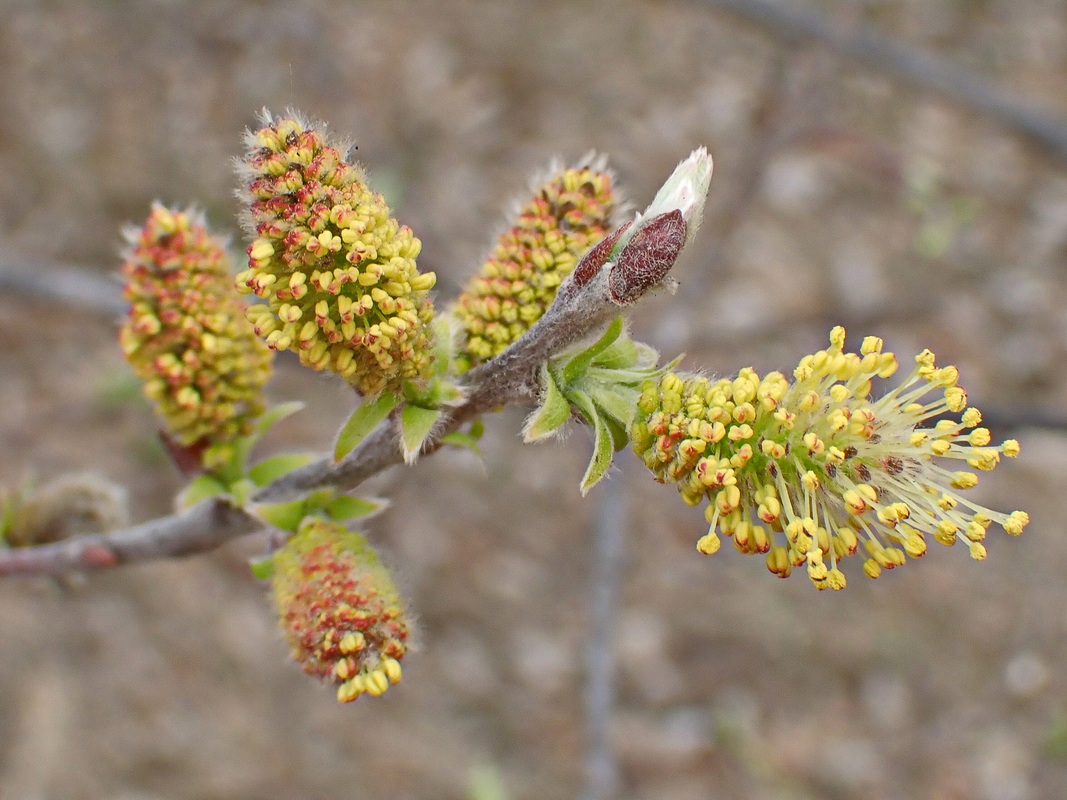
(272, 468)
(443, 342)
(7, 512)
(462, 440)
(363, 420)
(416, 423)
(285, 516)
(272, 416)
(603, 450)
(584, 405)
(241, 491)
(617, 402)
(620, 434)
(628, 377)
(580, 362)
(477, 429)
(621, 354)
(553, 413)
(262, 568)
(242, 446)
(467, 439)
(485, 784)
(202, 487)
(347, 507)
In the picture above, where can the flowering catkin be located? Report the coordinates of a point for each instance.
(186, 335)
(339, 609)
(337, 271)
(808, 471)
(569, 213)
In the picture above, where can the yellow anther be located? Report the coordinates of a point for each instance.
(964, 480)
(1016, 521)
(392, 670)
(709, 543)
(352, 642)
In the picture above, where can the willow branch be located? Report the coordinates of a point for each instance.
(581, 309)
(203, 527)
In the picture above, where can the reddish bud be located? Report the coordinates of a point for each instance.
(591, 263)
(647, 257)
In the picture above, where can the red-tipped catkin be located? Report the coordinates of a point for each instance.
(186, 335)
(339, 609)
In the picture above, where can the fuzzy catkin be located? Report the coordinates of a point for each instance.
(336, 270)
(186, 335)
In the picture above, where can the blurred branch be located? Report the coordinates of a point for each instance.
(69, 284)
(911, 64)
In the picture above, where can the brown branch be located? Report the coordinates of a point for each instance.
(918, 67)
(203, 527)
(511, 377)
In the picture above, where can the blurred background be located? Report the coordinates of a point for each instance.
(844, 192)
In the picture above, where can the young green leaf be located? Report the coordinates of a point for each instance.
(7, 513)
(200, 488)
(462, 440)
(416, 423)
(445, 330)
(285, 516)
(603, 449)
(241, 491)
(618, 402)
(262, 568)
(272, 416)
(621, 354)
(242, 446)
(580, 362)
(553, 413)
(345, 507)
(467, 439)
(272, 468)
(620, 434)
(363, 420)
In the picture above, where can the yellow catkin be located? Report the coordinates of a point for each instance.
(821, 463)
(336, 270)
(339, 609)
(568, 213)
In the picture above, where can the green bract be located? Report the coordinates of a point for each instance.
(602, 383)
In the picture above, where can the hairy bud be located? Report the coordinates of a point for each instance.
(70, 505)
(647, 258)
